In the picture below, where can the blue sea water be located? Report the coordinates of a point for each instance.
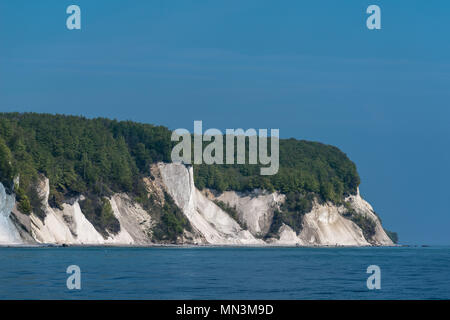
(225, 273)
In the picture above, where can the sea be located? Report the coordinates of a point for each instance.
(224, 273)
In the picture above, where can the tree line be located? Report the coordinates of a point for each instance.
(98, 157)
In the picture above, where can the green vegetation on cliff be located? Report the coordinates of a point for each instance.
(100, 213)
(392, 235)
(366, 224)
(95, 158)
(297, 204)
(172, 221)
(6, 167)
(232, 212)
(98, 157)
(306, 167)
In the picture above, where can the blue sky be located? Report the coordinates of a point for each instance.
(310, 68)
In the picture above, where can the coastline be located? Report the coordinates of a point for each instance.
(196, 246)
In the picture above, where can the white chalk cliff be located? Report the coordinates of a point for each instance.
(8, 232)
(324, 225)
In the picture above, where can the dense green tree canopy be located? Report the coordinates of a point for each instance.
(101, 156)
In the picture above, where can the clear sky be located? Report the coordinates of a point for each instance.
(310, 68)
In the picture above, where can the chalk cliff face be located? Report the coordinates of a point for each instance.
(8, 232)
(211, 224)
(70, 226)
(362, 206)
(255, 209)
(326, 224)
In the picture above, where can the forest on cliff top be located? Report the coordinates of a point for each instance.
(99, 157)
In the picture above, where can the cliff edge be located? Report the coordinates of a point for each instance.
(246, 220)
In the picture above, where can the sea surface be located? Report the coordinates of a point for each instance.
(225, 273)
